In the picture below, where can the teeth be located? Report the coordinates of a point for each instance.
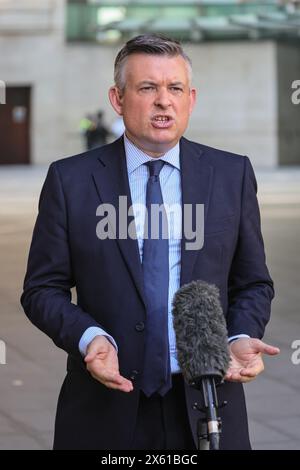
(162, 118)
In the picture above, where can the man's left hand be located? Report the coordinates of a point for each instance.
(246, 359)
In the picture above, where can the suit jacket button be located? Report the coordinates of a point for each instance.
(140, 326)
(134, 373)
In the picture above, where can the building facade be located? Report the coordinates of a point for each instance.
(55, 72)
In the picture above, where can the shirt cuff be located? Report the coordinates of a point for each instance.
(89, 335)
(233, 338)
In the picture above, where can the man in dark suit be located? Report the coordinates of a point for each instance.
(123, 388)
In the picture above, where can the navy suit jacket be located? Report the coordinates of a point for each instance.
(65, 252)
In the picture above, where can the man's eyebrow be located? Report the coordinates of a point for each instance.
(151, 82)
(147, 82)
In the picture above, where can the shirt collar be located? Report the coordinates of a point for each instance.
(135, 157)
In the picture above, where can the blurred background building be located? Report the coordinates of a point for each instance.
(56, 58)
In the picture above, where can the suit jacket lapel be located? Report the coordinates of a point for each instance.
(111, 180)
(196, 184)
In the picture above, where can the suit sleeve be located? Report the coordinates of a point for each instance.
(250, 288)
(46, 298)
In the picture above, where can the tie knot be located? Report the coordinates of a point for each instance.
(155, 166)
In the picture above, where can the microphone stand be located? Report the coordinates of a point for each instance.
(208, 428)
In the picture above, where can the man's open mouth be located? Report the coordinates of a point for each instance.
(162, 121)
(161, 117)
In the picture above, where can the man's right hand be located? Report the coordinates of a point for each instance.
(103, 365)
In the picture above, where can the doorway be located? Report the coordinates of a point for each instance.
(15, 126)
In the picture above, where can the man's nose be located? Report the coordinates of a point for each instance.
(162, 98)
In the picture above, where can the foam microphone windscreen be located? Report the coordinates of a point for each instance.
(201, 333)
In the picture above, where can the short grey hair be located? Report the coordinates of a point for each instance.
(152, 44)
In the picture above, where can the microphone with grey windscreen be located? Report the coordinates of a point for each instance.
(202, 348)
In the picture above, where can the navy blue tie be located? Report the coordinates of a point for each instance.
(156, 376)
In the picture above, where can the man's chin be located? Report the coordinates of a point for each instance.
(163, 143)
(161, 148)
(154, 144)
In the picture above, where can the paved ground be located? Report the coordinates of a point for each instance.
(30, 381)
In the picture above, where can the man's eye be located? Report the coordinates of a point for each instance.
(147, 88)
(176, 88)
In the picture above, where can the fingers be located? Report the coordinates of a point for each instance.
(123, 386)
(110, 378)
(97, 346)
(265, 348)
(252, 372)
(244, 374)
(90, 357)
(237, 376)
(270, 350)
(240, 379)
(118, 383)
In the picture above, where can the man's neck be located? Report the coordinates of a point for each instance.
(146, 151)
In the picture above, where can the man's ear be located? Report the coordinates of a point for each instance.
(115, 98)
(193, 95)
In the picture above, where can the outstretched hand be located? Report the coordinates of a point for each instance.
(102, 363)
(246, 359)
